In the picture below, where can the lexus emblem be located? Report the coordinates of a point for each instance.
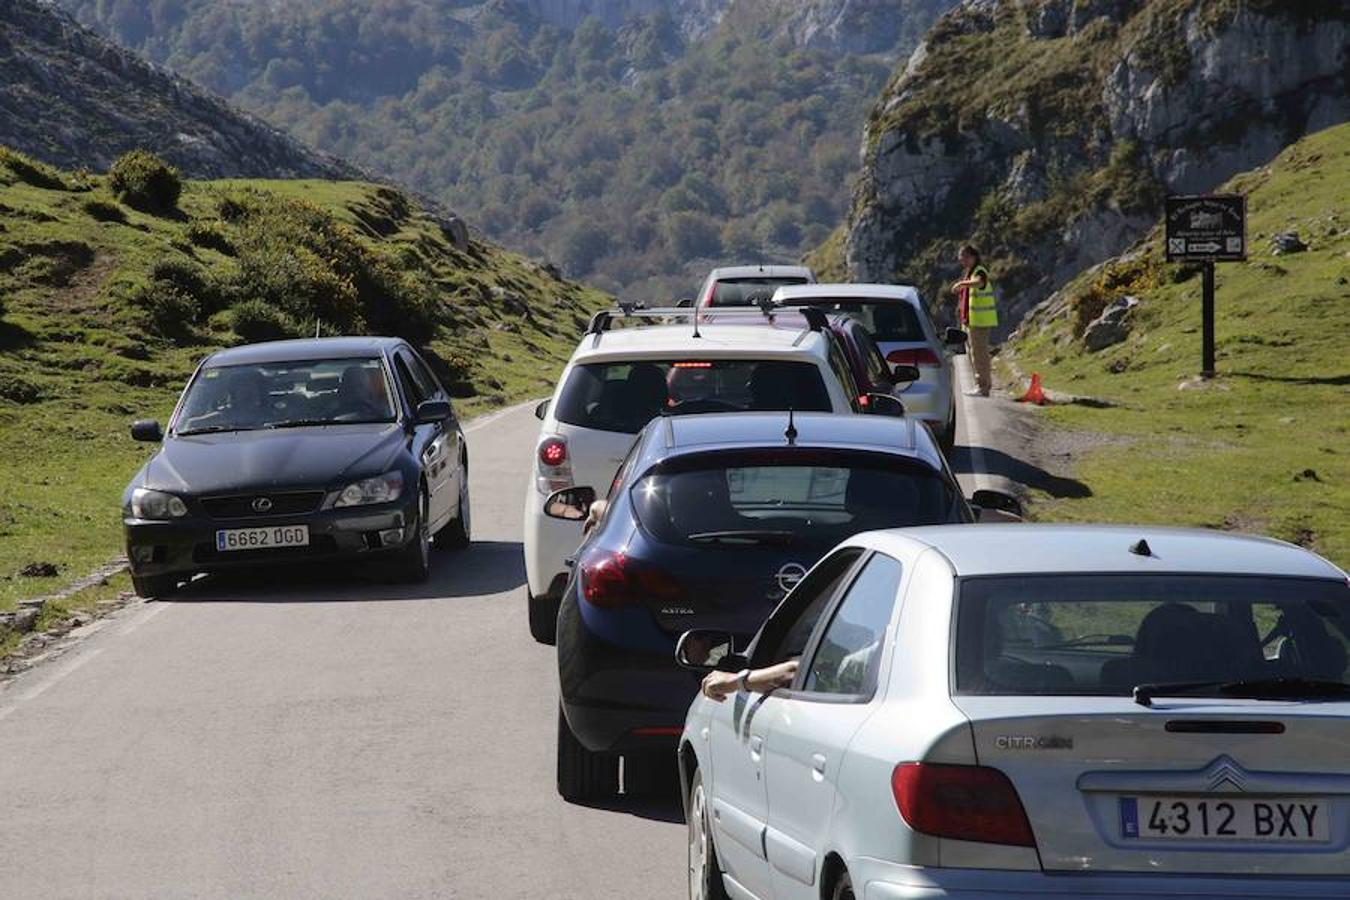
(262, 505)
(789, 575)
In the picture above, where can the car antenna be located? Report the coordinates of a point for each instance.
(1141, 548)
(791, 433)
(317, 323)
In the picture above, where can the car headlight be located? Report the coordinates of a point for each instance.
(148, 504)
(384, 488)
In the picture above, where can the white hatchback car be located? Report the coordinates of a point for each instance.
(732, 286)
(1033, 711)
(618, 380)
(895, 317)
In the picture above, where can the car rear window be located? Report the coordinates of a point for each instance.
(777, 497)
(749, 291)
(1107, 634)
(888, 321)
(625, 396)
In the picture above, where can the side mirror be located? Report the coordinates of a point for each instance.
(571, 504)
(430, 412)
(904, 374)
(884, 405)
(955, 337)
(996, 506)
(706, 650)
(542, 409)
(147, 430)
(684, 302)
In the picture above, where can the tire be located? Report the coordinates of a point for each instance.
(583, 775)
(457, 533)
(543, 613)
(151, 587)
(843, 887)
(705, 873)
(413, 563)
(947, 439)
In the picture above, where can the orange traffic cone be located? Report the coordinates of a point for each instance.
(1035, 393)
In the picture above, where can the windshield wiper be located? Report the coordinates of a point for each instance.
(212, 429)
(1251, 689)
(302, 423)
(779, 538)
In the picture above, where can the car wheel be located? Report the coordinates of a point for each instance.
(583, 775)
(456, 533)
(843, 887)
(414, 561)
(947, 440)
(543, 618)
(705, 873)
(152, 586)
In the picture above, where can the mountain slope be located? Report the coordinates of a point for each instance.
(106, 309)
(635, 149)
(1049, 130)
(75, 99)
(1264, 447)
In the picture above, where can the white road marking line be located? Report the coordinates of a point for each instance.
(974, 428)
(39, 689)
(484, 421)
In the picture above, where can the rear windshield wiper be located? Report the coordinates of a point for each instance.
(1252, 689)
(780, 538)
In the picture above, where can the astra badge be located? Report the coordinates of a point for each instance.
(789, 575)
(262, 505)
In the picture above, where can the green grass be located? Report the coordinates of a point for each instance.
(79, 359)
(57, 612)
(1231, 453)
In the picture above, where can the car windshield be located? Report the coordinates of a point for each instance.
(749, 291)
(286, 394)
(625, 396)
(785, 497)
(1108, 634)
(888, 321)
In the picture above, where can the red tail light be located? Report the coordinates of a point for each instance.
(553, 452)
(611, 580)
(965, 803)
(918, 356)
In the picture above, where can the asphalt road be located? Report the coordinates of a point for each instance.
(326, 735)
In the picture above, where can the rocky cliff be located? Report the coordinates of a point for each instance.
(1050, 130)
(76, 100)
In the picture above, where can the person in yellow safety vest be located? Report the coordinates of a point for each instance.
(981, 308)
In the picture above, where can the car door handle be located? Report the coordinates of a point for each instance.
(756, 747)
(818, 761)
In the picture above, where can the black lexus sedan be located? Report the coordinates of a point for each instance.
(300, 451)
(710, 521)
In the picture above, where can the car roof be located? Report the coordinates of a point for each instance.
(1026, 549)
(305, 349)
(679, 435)
(766, 271)
(745, 341)
(892, 292)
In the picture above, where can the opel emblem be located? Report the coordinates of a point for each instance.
(789, 575)
(264, 504)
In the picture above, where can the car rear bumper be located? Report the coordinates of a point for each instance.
(879, 880)
(188, 545)
(621, 698)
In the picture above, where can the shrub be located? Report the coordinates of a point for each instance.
(144, 181)
(103, 210)
(19, 390)
(171, 310)
(193, 280)
(258, 320)
(210, 236)
(30, 171)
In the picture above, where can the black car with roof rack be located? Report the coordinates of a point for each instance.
(300, 451)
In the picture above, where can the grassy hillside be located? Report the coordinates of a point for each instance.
(106, 309)
(1265, 447)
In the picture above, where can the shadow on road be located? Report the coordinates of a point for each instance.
(1332, 380)
(658, 807)
(484, 568)
(998, 463)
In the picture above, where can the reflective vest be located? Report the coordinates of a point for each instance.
(983, 305)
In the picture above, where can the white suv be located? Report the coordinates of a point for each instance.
(618, 380)
(748, 285)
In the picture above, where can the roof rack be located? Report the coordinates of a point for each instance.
(602, 320)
